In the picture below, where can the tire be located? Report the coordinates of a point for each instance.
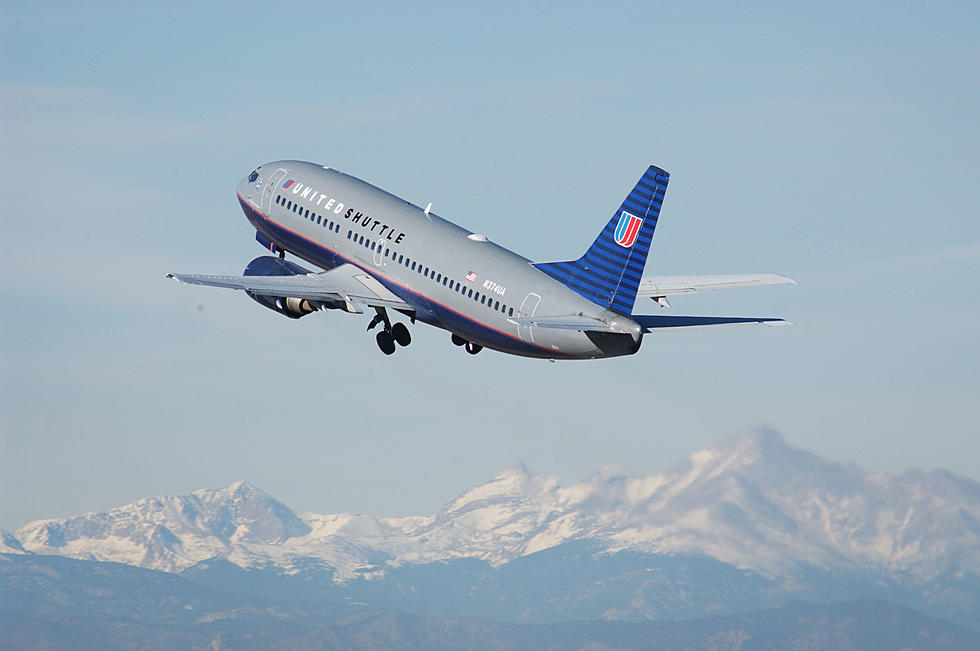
(458, 341)
(401, 334)
(472, 348)
(385, 342)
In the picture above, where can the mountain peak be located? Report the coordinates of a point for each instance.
(516, 484)
(240, 489)
(755, 441)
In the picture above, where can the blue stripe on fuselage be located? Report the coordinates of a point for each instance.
(445, 316)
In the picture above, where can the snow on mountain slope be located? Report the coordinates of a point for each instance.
(753, 502)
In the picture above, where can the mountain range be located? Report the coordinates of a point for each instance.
(751, 523)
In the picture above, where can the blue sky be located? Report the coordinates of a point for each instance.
(835, 144)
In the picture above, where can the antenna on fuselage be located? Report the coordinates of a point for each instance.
(427, 209)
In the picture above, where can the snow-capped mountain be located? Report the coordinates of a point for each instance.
(753, 502)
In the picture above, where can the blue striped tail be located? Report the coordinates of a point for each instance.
(610, 271)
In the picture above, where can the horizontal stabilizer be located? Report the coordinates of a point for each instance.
(657, 322)
(658, 286)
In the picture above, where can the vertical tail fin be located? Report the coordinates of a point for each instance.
(609, 272)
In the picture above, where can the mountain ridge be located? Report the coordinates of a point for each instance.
(753, 501)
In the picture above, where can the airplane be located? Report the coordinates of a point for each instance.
(378, 252)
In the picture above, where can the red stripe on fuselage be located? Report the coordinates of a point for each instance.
(397, 284)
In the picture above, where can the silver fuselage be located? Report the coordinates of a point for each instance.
(454, 279)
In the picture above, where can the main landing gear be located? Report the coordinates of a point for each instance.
(391, 334)
(471, 348)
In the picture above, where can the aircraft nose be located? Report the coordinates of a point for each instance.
(248, 184)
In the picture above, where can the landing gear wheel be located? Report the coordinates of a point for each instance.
(385, 342)
(472, 348)
(458, 341)
(401, 334)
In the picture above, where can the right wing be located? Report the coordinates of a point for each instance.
(660, 286)
(345, 283)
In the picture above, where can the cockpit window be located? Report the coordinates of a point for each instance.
(254, 175)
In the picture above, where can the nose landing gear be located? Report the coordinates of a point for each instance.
(391, 334)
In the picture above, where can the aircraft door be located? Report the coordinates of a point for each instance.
(269, 189)
(379, 252)
(528, 306)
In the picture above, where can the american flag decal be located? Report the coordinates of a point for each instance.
(471, 276)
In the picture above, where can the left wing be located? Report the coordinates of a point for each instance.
(345, 283)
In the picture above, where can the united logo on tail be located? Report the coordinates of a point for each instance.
(627, 229)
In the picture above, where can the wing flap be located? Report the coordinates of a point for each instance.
(659, 286)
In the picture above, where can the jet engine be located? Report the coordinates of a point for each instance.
(268, 265)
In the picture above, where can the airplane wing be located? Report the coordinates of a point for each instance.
(345, 283)
(655, 322)
(660, 286)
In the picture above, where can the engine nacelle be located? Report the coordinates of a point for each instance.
(268, 265)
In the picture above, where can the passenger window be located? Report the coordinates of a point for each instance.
(496, 306)
(510, 311)
(445, 281)
(317, 218)
(483, 300)
(289, 205)
(348, 234)
(401, 258)
(471, 293)
(426, 272)
(307, 215)
(413, 266)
